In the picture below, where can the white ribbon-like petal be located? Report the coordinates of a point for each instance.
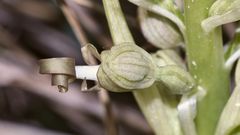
(87, 72)
(187, 110)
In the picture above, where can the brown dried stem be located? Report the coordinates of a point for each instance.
(103, 94)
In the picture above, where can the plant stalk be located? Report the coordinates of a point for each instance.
(158, 106)
(206, 64)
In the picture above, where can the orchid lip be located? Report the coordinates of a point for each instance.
(88, 72)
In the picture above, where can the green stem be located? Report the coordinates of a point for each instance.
(206, 64)
(116, 22)
(158, 107)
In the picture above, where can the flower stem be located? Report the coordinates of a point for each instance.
(116, 22)
(158, 106)
(206, 63)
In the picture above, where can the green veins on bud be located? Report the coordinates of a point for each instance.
(176, 79)
(222, 12)
(171, 72)
(126, 67)
(158, 30)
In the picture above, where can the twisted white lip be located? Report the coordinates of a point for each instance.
(87, 72)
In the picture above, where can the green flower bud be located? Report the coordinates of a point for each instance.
(176, 79)
(164, 8)
(126, 67)
(222, 6)
(171, 72)
(167, 57)
(158, 30)
(222, 12)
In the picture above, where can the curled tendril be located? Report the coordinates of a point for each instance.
(61, 69)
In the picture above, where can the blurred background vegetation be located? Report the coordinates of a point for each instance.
(34, 29)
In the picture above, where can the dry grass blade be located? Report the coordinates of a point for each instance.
(71, 17)
(89, 4)
(103, 95)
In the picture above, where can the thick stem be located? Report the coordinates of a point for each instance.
(159, 107)
(206, 64)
